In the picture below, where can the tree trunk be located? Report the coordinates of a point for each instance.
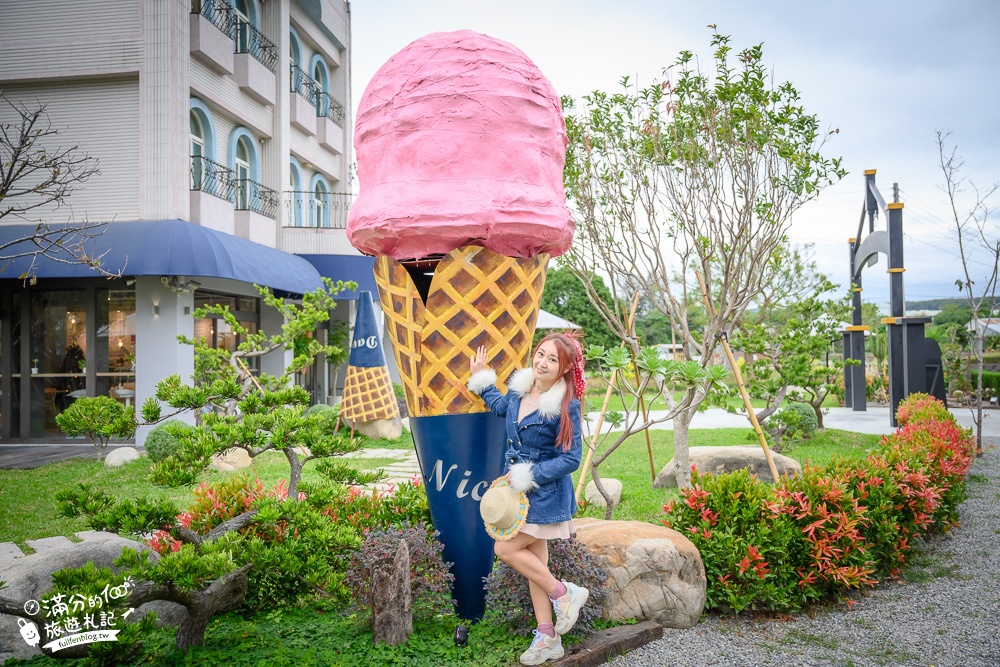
(978, 418)
(772, 406)
(225, 594)
(682, 456)
(392, 609)
(599, 485)
(296, 473)
(818, 409)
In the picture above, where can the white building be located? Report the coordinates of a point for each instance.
(223, 139)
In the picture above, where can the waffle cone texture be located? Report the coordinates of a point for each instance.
(368, 395)
(477, 297)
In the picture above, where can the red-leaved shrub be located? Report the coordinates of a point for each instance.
(833, 529)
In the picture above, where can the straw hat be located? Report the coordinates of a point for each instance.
(504, 510)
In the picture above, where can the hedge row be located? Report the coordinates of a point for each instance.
(830, 530)
(990, 381)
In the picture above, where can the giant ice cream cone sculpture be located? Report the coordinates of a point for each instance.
(460, 144)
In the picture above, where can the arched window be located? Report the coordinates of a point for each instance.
(321, 74)
(246, 15)
(245, 164)
(319, 204)
(242, 174)
(295, 196)
(295, 58)
(197, 152)
(204, 175)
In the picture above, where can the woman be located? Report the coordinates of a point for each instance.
(542, 411)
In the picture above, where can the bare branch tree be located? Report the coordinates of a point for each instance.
(37, 175)
(978, 234)
(697, 175)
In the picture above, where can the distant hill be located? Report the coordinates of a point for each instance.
(937, 304)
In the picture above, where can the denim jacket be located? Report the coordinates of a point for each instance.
(533, 441)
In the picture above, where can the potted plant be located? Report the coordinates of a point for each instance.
(83, 365)
(34, 366)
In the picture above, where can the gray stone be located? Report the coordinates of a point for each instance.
(9, 550)
(655, 573)
(611, 485)
(121, 456)
(236, 458)
(390, 429)
(719, 460)
(29, 577)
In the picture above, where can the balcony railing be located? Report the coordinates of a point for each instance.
(252, 196)
(218, 12)
(211, 177)
(251, 40)
(304, 85)
(307, 209)
(246, 38)
(307, 87)
(331, 108)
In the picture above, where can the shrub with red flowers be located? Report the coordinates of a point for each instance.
(829, 530)
(301, 547)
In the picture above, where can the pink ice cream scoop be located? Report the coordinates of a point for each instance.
(460, 140)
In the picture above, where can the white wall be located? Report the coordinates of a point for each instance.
(158, 355)
(100, 117)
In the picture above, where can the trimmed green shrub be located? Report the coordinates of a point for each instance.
(319, 407)
(807, 417)
(991, 380)
(166, 439)
(98, 418)
(508, 596)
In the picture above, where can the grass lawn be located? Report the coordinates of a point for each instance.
(595, 399)
(28, 508)
(320, 636)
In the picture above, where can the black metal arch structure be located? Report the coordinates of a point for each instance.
(914, 360)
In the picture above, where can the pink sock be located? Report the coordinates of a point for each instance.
(559, 591)
(547, 629)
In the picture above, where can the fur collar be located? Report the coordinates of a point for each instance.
(549, 403)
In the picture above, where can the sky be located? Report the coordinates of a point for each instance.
(885, 73)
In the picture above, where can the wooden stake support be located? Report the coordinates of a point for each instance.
(592, 446)
(724, 339)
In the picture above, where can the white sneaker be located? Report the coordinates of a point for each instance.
(542, 648)
(568, 607)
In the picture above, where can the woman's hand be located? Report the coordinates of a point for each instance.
(477, 362)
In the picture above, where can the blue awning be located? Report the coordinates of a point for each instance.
(165, 248)
(358, 268)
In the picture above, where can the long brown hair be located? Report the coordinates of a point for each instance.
(566, 353)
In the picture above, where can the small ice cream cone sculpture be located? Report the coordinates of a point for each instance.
(460, 144)
(368, 393)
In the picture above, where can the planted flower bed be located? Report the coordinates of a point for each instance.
(833, 529)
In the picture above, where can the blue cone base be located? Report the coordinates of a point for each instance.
(460, 456)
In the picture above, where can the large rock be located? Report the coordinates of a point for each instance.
(390, 429)
(611, 485)
(718, 460)
(236, 458)
(121, 456)
(29, 577)
(656, 574)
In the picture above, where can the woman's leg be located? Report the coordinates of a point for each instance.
(526, 561)
(539, 597)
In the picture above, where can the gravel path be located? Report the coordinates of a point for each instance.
(946, 614)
